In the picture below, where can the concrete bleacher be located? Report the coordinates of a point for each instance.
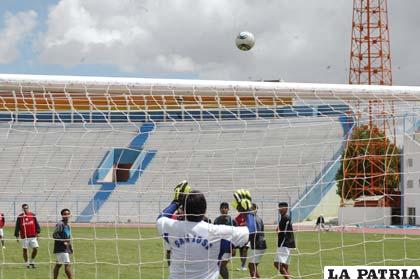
(277, 160)
(49, 165)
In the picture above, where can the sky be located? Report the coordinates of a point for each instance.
(296, 40)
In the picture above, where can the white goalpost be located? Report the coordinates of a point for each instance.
(112, 149)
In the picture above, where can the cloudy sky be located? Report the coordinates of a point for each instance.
(296, 40)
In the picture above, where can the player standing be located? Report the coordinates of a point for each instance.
(225, 219)
(197, 246)
(28, 228)
(62, 244)
(258, 244)
(285, 241)
(2, 222)
(243, 250)
(320, 223)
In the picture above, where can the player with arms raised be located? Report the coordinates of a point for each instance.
(197, 246)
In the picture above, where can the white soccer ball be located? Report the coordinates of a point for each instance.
(245, 41)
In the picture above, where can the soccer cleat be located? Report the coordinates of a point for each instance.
(242, 268)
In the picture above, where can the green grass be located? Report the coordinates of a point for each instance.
(116, 253)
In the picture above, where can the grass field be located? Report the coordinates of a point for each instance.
(116, 253)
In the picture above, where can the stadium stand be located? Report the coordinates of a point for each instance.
(51, 165)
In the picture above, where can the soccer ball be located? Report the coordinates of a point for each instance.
(245, 41)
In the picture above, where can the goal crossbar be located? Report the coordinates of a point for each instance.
(184, 87)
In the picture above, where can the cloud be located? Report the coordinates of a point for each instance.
(17, 27)
(197, 36)
(297, 40)
(175, 63)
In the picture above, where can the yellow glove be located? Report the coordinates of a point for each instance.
(181, 189)
(242, 200)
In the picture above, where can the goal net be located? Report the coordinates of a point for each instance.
(112, 149)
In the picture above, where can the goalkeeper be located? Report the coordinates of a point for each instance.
(197, 247)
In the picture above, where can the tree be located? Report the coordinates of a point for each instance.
(370, 165)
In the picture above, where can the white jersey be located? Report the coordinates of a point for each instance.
(196, 246)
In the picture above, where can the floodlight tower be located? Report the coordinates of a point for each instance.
(370, 56)
(370, 64)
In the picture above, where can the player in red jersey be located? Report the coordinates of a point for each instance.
(2, 221)
(240, 221)
(27, 227)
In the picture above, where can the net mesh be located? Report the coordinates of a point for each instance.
(112, 151)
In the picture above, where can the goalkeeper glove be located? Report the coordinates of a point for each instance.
(180, 190)
(242, 200)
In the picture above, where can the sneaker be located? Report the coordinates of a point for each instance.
(27, 265)
(242, 268)
(32, 265)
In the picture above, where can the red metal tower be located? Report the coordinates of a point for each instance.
(370, 57)
(367, 168)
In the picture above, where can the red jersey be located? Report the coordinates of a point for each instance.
(177, 216)
(240, 220)
(27, 226)
(1, 220)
